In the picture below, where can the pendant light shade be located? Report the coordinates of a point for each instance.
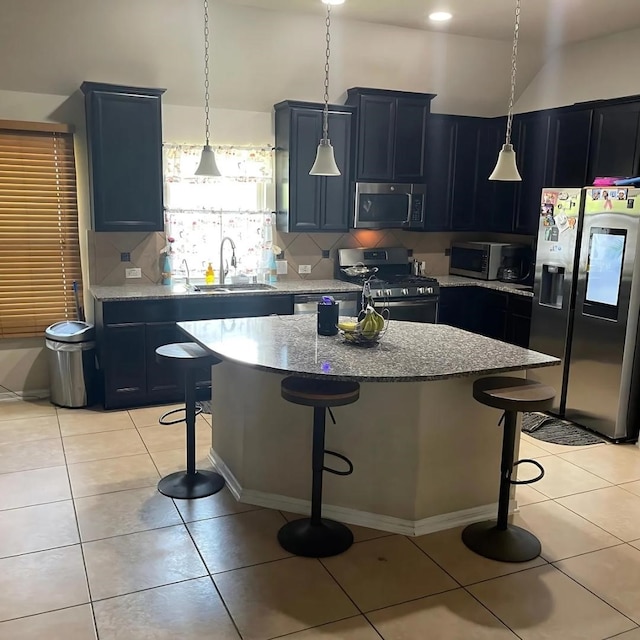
(506, 169)
(208, 166)
(325, 164)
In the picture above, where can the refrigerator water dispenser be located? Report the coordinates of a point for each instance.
(552, 286)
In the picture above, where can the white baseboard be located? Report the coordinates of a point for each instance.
(354, 516)
(24, 395)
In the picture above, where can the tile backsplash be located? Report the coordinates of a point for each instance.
(106, 268)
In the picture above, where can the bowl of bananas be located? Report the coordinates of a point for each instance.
(367, 330)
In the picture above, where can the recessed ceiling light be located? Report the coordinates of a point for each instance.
(438, 16)
(333, 1)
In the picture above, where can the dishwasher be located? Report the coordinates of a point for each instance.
(308, 303)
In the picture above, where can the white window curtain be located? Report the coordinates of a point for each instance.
(200, 211)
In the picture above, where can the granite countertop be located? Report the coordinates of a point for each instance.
(408, 351)
(496, 285)
(159, 292)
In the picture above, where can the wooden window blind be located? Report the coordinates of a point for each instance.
(39, 245)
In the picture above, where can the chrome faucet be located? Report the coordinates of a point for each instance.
(223, 272)
(186, 266)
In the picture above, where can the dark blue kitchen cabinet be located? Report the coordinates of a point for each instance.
(124, 138)
(569, 141)
(531, 142)
(312, 203)
(391, 134)
(441, 140)
(615, 141)
(465, 161)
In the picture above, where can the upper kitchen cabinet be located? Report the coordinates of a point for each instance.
(312, 203)
(615, 141)
(569, 139)
(391, 134)
(124, 134)
(531, 143)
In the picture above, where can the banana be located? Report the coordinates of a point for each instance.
(370, 325)
(348, 327)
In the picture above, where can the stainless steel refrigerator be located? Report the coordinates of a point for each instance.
(586, 306)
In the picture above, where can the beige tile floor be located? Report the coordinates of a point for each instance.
(90, 550)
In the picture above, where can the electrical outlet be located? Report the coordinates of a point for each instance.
(125, 257)
(447, 252)
(282, 267)
(135, 272)
(326, 253)
(304, 268)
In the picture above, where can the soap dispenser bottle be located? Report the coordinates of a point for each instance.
(209, 275)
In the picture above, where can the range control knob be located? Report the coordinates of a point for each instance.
(420, 290)
(388, 292)
(405, 292)
(429, 289)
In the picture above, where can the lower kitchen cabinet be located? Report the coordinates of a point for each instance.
(123, 364)
(495, 314)
(128, 334)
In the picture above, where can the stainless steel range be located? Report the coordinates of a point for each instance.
(388, 271)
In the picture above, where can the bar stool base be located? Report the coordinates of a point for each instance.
(186, 486)
(511, 545)
(302, 538)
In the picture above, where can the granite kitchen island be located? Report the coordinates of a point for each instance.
(426, 455)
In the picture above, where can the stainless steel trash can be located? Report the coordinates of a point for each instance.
(71, 351)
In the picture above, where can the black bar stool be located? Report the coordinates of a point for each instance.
(501, 540)
(318, 537)
(192, 483)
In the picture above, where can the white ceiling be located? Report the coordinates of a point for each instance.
(553, 22)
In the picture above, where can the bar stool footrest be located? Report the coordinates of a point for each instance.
(188, 486)
(535, 463)
(513, 544)
(164, 421)
(302, 538)
(337, 472)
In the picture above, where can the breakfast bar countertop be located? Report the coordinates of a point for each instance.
(408, 351)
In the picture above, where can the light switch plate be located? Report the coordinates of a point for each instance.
(135, 272)
(282, 267)
(304, 268)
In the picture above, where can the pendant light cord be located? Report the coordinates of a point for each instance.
(325, 119)
(514, 56)
(207, 122)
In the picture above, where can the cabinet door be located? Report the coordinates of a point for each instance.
(163, 380)
(376, 120)
(304, 190)
(519, 320)
(124, 365)
(410, 133)
(615, 141)
(441, 131)
(531, 145)
(463, 211)
(336, 206)
(569, 148)
(457, 307)
(125, 151)
(492, 314)
(495, 201)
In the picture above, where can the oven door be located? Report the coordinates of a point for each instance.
(382, 206)
(413, 310)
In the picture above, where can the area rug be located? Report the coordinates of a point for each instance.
(557, 431)
(206, 405)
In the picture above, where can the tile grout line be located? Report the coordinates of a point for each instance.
(75, 512)
(595, 595)
(495, 615)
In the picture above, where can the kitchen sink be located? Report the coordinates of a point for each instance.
(230, 288)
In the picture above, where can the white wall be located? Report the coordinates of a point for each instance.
(598, 69)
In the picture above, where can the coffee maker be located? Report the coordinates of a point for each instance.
(516, 264)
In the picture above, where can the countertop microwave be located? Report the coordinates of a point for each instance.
(383, 205)
(476, 259)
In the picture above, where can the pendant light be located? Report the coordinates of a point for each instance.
(325, 163)
(207, 166)
(506, 168)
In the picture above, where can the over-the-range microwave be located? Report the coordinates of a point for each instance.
(476, 259)
(382, 205)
